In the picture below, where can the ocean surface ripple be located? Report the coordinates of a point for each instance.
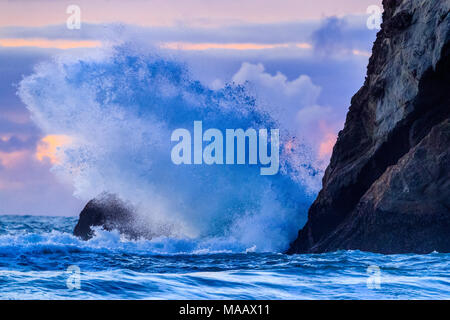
(35, 253)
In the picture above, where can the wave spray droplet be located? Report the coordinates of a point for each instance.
(119, 109)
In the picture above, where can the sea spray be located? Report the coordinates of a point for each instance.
(119, 109)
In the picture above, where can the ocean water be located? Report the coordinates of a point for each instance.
(37, 252)
(221, 228)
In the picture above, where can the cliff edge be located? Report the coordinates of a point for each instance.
(387, 187)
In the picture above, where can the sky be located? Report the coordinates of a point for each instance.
(306, 57)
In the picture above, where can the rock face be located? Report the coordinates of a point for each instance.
(387, 188)
(109, 213)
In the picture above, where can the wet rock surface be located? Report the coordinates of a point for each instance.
(108, 212)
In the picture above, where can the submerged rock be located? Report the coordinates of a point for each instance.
(387, 188)
(110, 213)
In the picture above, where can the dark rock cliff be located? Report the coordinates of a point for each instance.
(387, 187)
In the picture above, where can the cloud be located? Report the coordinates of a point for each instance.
(12, 159)
(348, 32)
(231, 46)
(285, 32)
(162, 12)
(343, 36)
(329, 37)
(50, 147)
(45, 43)
(294, 104)
(276, 93)
(14, 143)
(26, 184)
(28, 187)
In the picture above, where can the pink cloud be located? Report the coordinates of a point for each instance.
(188, 12)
